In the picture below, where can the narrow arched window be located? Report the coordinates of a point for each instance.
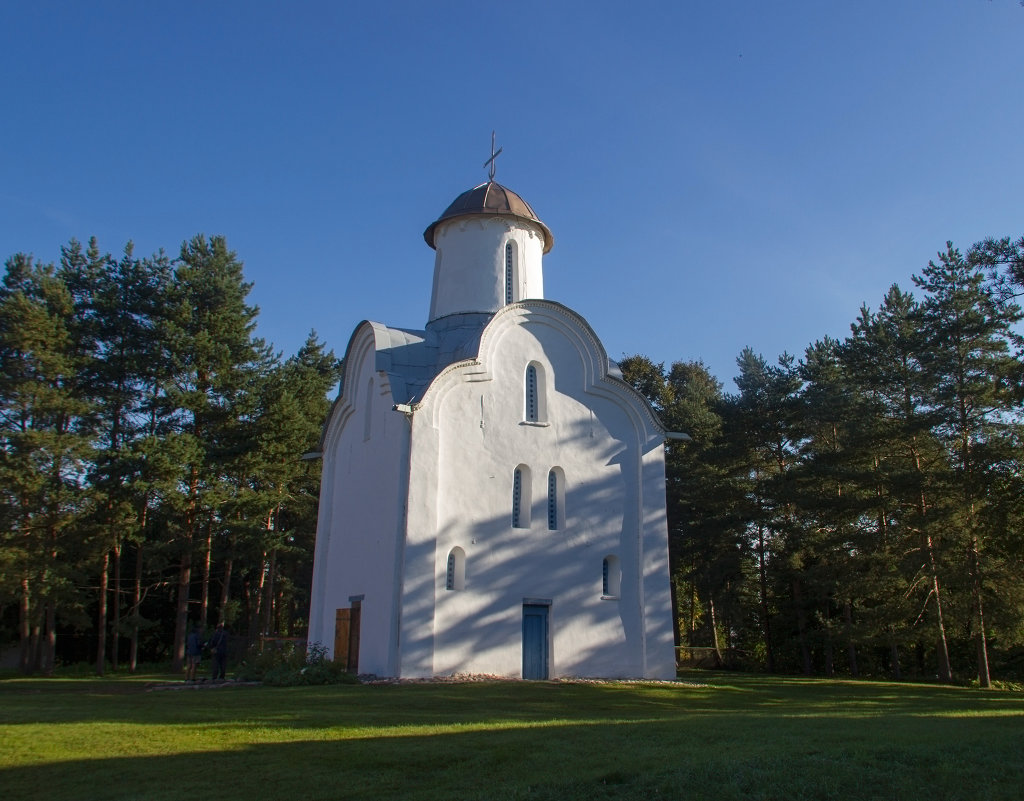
(510, 272)
(456, 576)
(521, 497)
(532, 403)
(535, 391)
(517, 495)
(556, 499)
(611, 577)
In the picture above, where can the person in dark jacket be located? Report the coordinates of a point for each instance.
(219, 650)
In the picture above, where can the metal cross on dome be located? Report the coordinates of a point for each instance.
(490, 162)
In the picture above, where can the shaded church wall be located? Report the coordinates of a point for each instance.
(417, 626)
(361, 513)
(660, 653)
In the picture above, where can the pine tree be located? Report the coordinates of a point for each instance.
(828, 498)
(309, 375)
(763, 423)
(1003, 259)
(117, 304)
(44, 453)
(706, 504)
(970, 337)
(212, 358)
(903, 473)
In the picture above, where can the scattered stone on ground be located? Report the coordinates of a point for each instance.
(464, 678)
(457, 678)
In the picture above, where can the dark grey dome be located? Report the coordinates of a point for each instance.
(493, 200)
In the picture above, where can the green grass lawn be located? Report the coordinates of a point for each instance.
(714, 736)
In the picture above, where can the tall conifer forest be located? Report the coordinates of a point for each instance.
(857, 511)
(151, 471)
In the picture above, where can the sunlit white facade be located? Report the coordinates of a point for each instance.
(493, 493)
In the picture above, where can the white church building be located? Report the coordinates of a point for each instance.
(493, 493)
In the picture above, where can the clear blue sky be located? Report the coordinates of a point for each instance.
(716, 174)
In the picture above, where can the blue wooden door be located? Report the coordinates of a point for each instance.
(535, 641)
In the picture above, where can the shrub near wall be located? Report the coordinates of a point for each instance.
(292, 666)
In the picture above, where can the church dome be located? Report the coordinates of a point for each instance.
(493, 200)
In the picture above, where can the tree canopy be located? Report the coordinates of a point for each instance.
(859, 510)
(150, 451)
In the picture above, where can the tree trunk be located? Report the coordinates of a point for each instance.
(181, 610)
(980, 638)
(727, 626)
(225, 587)
(185, 575)
(246, 612)
(257, 598)
(945, 674)
(830, 668)
(942, 650)
(851, 648)
(37, 641)
(801, 627)
(268, 612)
(714, 632)
(763, 589)
(692, 628)
(50, 642)
(101, 615)
(133, 650)
(283, 628)
(894, 657)
(25, 627)
(205, 604)
(115, 634)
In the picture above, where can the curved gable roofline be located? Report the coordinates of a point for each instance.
(599, 366)
(368, 335)
(384, 339)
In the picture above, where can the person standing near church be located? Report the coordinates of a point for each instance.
(219, 650)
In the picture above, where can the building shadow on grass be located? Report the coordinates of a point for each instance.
(540, 758)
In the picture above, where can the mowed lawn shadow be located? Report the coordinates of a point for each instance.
(743, 738)
(627, 759)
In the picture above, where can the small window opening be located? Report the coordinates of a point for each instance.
(510, 273)
(531, 393)
(556, 499)
(521, 497)
(456, 577)
(611, 577)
